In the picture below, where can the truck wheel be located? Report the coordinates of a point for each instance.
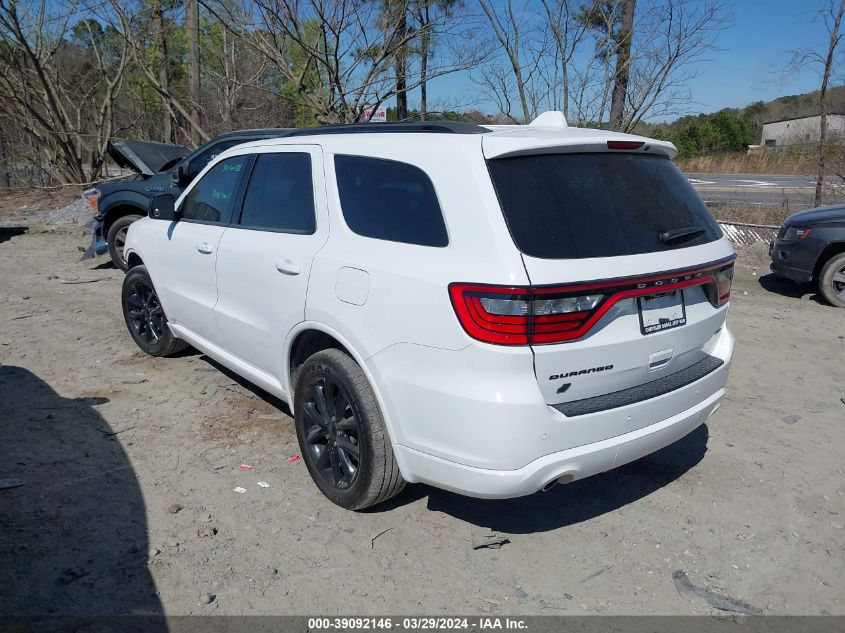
(117, 239)
(341, 433)
(145, 317)
(832, 280)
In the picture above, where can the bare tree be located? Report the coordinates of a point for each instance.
(192, 27)
(129, 19)
(426, 13)
(339, 54)
(396, 19)
(831, 14)
(621, 76)
(160, 31)
(69, 116)
(508, 27)
(672, 37)
(567, 33)
(631, 74)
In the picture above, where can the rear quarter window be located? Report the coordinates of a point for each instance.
(569, 206)
(389, 200)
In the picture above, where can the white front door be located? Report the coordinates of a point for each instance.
(264, 259)
(189, 290)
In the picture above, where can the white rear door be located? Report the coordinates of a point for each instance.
(264, 259)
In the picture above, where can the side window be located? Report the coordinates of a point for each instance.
(198, 163)
(213, 198)
(389, 200)
(280, 194)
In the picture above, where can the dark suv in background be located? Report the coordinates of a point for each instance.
(159, 168)
(810, 246)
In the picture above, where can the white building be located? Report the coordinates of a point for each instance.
(801, 130)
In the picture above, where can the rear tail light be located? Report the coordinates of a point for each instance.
(724, 279)
(516, 315)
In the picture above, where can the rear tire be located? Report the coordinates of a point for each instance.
(144, 315)
(117, 239)
(341, 432)
(832, 280)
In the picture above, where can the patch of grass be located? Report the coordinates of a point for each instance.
(790, 162)
(759, 214)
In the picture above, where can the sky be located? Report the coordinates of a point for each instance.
(754, 50)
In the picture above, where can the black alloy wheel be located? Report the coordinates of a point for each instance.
(145, 317)
(341, 432)
(144, 313)
(332, 433)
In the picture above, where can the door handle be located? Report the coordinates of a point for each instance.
(204, 248)
(288, 267)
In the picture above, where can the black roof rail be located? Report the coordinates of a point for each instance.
(403, 127)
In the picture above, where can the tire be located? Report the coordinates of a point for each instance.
(144, 316)
(117, 239)
(832, 280)
(327, 380)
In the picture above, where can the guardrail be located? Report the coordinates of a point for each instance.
(747, 234)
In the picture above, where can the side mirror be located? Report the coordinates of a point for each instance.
(163, 207)
(179, 178)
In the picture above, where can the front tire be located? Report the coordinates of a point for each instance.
(832, 280)
(144, 315)
(341, 432)
(116, 239)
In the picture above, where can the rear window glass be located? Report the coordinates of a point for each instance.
(567, 206)
(389, 200)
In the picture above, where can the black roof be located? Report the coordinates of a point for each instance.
(403, 127)
(260, 132)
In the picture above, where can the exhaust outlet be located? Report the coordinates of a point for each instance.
(563, 479)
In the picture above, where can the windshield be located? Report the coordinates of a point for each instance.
(568, 206)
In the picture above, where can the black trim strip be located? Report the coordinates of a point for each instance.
(646, 391)
(621, 281)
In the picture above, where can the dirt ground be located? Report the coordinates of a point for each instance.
(128, 466)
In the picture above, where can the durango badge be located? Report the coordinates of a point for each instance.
(581, 372)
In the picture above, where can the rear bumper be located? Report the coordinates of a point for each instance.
(474, 421)
(569, 465)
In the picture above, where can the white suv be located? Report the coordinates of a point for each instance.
(489, 310)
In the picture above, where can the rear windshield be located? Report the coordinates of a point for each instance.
(567, 206)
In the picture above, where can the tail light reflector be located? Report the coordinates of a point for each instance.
(724, 279)
(493, 314)
(517, 315)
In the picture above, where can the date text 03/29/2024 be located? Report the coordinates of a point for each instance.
(416, 624)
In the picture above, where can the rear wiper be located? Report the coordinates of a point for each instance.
(687, 232)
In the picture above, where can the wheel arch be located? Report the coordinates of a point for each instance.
(133, 260)
(313, 333)
(831, 250)
(122, 209)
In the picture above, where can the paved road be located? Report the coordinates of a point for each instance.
(758, 189)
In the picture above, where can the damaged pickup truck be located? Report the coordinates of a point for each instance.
(159, 168)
